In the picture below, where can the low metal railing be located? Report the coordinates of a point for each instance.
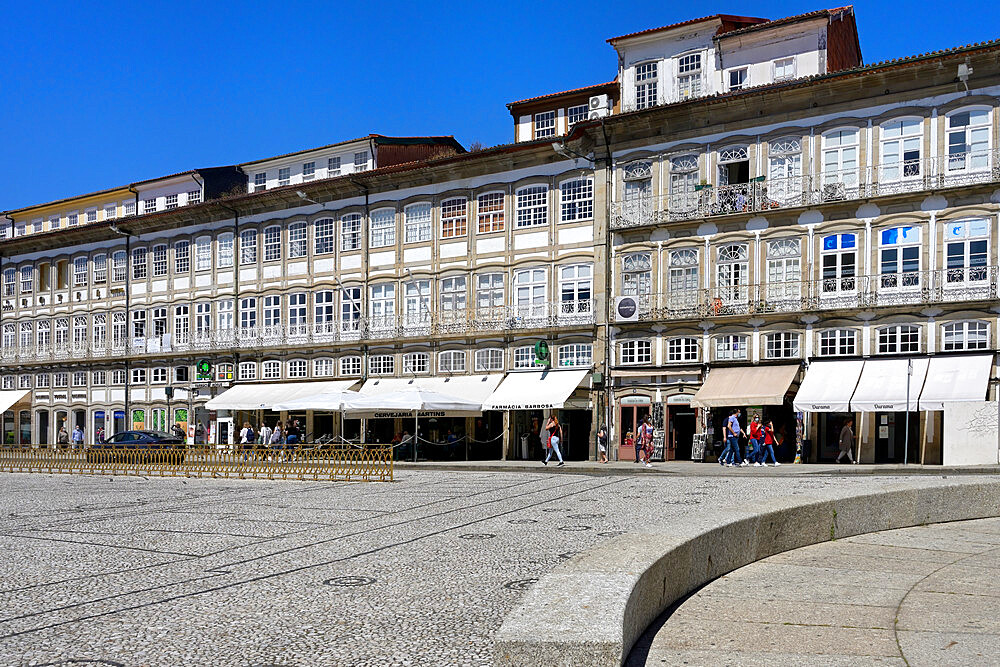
(329, 462)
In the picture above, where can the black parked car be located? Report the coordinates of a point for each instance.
(139, 447)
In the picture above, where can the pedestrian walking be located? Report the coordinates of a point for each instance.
(293, 433)
(77, 437)
(264, 437)
(768, 444)
(846, 441)
(645, 437)
(99, 436)
(62, 438)
(246, 434)
(552, 443)
(602, 443)
(731, 455)
(756, 433)
(178, 432)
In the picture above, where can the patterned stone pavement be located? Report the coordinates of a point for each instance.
(421, 571)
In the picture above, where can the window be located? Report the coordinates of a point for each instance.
(138, 376)
(79, 273)
(784, 171)
(840, 163)
(248, 370)
(350, 309)
(203, 320)
(489, 359)
(159, 322)
(636, 352)
(451, 361)
(416, 362)
(43, 341)
(272, 243)
(576, 114)
(138, 324)
(272, 370)
(248, 246)
(381, 364)
(532, 206)
(159, 260)
(545, 124)
(284, 176)
(684, 196)
(530, 292)
(323, 367)
(297, 368)
(966, 251)
(968, 140)
(781, 345)
(117, 377)
(171, 201)
(636, 274)
(182, 257)
(224, 372)
(61, 380)
(324, 311)
(839, 256)
(272, 311)
(148, 206)
(361, 161)
(27, 279)
(575, 288)
(182, 374)
(417, 303)
(110, 213)
(92, 215)
(193, 197)
(119, 330)
(736, 79)
(203, 253)
(966, 336)
(383, 228)
(682, 349)
(784, 270)
(100, 330)
(454, 218)
(182, 323)
(901, 338)
(580, 354)
(118, 266)
(129, 210)
(646, 79)
(734, 169)
(225, 315)
(576, 199)
(324, 232)
(382, 306)
(260, 182)
(730, 348)
(9, 337)
(138, 264)
(24, 381)
(73, 219)
(333, 167)
(248, 313)
(225, 251)
(732, 272)
(296, 240)
(350, 366)
(899, 258)
(901, 141)
(97, 378)
(308, 171)
(159, 376)
(417, 223)
(784, 69)
(42, 380)
(8, 382)
(27, 334)
(490, 293)
(350, 232)
(297, 314)
(10, 281)
(524, 357)
(490, 210)
(453, 294)
(838, 342)
(689, 76)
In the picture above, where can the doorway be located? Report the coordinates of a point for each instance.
(43, 427)
(680, 432)
(629, 418)
(890, 437)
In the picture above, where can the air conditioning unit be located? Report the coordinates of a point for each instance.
(599, 107)
(626, 309)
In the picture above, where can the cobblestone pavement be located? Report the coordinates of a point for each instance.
(928, 595)
(421, 571)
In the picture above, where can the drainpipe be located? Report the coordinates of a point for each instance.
(608, 277)
(366, 222)
(14, 298)
(128, 315)
(131, 188)
(236, 278)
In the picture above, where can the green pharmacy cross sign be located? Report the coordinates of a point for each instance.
(542, 353)
(204, 369)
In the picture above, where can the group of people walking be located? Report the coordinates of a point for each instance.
(289, 434)
(760, 442)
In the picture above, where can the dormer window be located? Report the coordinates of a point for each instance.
(260, 182)
(689, 76)
(737, 79)
(545, 124)
(784, 69)
(646, 78)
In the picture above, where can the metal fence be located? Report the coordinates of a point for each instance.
(337, 462)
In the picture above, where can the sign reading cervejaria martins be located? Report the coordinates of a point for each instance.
(421, 413)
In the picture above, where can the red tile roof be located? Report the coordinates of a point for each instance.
(713, 17)
(564, 92)
(788, 19)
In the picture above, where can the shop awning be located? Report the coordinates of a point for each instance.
(828, 386)
(413, 402)
(882, 386)
(476, 387)
(955, 379)
(12, 397)
(536, 390)
(263, 396)
(745, 385)
(327, 401)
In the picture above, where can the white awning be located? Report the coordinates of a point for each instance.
(828, 386)
(745, 385)
(882, 387)
(413, 402)
(476, 387)
(263, 396)
(536, 390)
(9, 398)
(328, 401)
(953, 379)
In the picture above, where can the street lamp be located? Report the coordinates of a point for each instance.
(906, 424)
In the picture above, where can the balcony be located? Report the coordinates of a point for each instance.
(762, 194)
(462, 321)
(916, 288)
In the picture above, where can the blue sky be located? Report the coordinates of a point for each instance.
(100, 95)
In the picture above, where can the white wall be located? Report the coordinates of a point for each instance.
(760, 54)
(970, 433)
(320, 157)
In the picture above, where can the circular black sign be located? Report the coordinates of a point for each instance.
(627, 307)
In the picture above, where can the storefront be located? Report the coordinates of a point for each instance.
(825, 400)
(15, 406)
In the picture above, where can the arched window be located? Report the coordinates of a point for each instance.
(968, 141)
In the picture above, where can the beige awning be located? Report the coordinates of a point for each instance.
(263, 396)
(477, 387)
(745, 385)
(9, 398)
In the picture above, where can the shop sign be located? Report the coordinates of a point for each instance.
(634, 400)
(680, 399)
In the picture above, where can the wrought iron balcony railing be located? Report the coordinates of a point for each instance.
(764, 194)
